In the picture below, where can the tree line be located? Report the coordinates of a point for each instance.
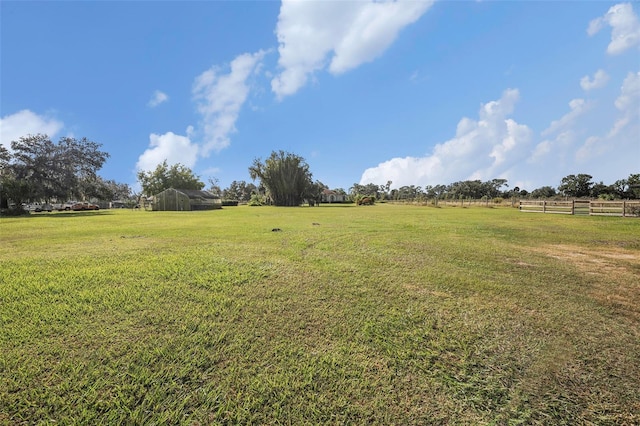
(571, 186)
(37, 169)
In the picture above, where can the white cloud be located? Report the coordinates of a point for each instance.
(481, 149)
(625, 28)
(26, 122)
(621, 141)
(629, 97)
(599, 80)
(350, 33)
(540, 152)
(628, 103)
(578, 107)
(157, 98)
(170, 147)
(220, 98)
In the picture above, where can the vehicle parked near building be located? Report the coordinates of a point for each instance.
(84, 206)
(64, 206)
(37, 207)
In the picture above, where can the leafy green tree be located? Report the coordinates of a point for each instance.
(628, 188)
(240, 191)
(368, 190)
(214, 186)
(37, 169)
(164, 177)
(286, 177)
(108, 190)
(314, 192)
(576, 185)
(633, 182)
(543, 192)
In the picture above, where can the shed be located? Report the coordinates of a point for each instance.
(185, 200)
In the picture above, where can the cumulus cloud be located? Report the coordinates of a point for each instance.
(220, 96)
(170, 147)
(339, 35)
(157, 98)
(625, 28)
(599, 80)
(485, 148)
(26, 122)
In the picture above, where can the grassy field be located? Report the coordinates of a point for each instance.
(387, 314)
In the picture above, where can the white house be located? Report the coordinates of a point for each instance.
(330, 196)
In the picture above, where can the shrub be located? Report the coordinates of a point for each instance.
(15, 211)
(255, 200)
(634, 210)
(365, 201)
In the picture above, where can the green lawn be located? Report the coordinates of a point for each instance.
(387, 314)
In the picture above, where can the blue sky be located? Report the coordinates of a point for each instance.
(419, 93)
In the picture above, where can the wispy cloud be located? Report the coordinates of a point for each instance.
(26, 122)
(625, 28)
(220, 96)
(578, 107)
(157, 98)
(347, 33)
(599, 80)
(622, 138)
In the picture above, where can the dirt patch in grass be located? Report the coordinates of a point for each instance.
(616, 273)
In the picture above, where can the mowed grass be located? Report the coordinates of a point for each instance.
(386, 314)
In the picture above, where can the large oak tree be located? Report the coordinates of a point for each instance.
(164, 177)
(36, 169)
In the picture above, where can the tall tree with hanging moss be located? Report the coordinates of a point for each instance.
(37, 169)
(286, 177)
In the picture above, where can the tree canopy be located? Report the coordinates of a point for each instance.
(576, 185)
(37, 169)
(286, 177)
(164, 177)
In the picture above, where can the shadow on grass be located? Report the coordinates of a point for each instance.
(59, 214)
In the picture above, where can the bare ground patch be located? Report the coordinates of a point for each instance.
(616, 272)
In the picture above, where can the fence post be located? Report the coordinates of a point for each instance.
(544, 206)
(624, 208)
(573, 207)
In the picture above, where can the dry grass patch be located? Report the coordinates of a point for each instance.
(615, 272)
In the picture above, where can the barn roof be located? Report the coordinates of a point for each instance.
(196, 193)
(193, 193)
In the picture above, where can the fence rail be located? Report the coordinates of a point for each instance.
(587, 207)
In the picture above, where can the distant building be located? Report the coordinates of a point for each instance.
(185, 200)
(330, 196)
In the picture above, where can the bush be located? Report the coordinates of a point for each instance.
(365, 201)
(255, 200)
(606, 197)
(15, 211)
(634, 210)
(226, 203)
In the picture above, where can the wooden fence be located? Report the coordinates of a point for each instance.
(583, 207)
